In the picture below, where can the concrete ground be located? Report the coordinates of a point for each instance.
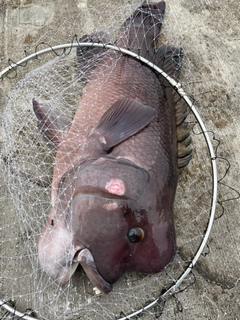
(209, 33)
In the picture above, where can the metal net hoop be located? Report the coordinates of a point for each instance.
(66, 49)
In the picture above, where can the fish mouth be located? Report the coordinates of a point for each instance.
(85, 258)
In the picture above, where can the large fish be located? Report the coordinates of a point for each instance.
(116, 167)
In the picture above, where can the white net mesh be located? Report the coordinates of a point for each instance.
(27, 164)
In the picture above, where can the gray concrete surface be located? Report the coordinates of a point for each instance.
(208, 30)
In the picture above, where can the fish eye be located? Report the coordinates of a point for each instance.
(135, 234)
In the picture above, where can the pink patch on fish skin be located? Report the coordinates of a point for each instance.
(115, 186)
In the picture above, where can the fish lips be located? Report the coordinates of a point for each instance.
(85, 258)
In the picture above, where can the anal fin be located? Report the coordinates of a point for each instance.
(90, 57)
(52, 124)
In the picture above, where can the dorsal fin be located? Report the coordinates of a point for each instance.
(183, 135)
(169, 59)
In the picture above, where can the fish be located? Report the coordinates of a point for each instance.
(116, 163)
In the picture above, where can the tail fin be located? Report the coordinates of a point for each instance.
(140, 30)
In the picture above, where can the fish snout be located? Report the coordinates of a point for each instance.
(59, 257)
(56, 252)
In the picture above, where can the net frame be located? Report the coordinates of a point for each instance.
(178, 88)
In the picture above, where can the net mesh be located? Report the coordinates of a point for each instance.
(27, 165)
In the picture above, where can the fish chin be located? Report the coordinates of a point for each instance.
(85, 258)
(66, 273)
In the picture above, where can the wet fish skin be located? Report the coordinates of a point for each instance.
(113, 175)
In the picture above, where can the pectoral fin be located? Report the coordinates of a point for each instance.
(52, 124)
(123, 119)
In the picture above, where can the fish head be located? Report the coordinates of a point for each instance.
(121, 236)
(107, 221)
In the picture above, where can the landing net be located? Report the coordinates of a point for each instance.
(27, 165)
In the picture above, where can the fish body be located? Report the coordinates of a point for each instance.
(116, 169)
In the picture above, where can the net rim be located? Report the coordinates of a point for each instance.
(177, 86)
